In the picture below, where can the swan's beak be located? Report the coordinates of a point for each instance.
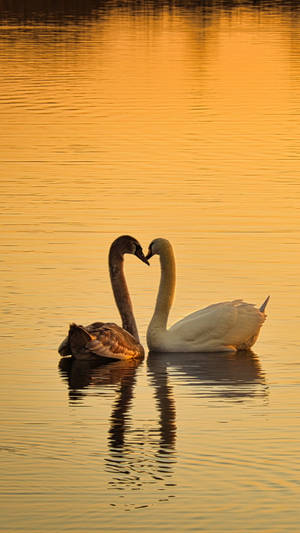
(140, 255)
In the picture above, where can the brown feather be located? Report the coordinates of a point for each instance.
(100, 339)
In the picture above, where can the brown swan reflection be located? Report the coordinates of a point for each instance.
(236, 376)
(81, 375)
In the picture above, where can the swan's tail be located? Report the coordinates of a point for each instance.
(264, 305)
(78, 337)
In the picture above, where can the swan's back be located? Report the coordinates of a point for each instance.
(103, 339)
(231, 325)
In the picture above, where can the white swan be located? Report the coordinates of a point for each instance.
(222, 327)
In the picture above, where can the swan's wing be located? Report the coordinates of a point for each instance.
(225, 324)
(103, 339)
(115, 342)
(216, 318)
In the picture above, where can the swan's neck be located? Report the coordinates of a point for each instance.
(121, 294)
(166, 289)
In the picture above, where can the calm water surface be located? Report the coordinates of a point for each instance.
(153, 119)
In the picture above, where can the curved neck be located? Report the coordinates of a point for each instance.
(166, 289)
(120, 290)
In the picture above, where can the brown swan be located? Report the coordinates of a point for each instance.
(105, 339)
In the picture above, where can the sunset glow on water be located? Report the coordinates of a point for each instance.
(155, 120)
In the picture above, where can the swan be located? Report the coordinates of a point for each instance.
(221, 327)
(108, 339)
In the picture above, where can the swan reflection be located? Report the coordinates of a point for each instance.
(237, 376)
(139, 453)
(143, 455)
(81, 374)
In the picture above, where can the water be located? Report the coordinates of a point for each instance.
(154, 119)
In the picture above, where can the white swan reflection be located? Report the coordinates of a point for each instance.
(235, 376)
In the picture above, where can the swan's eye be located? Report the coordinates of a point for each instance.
(150, 251)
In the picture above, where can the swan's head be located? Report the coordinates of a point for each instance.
(157, 246)
(129, 245)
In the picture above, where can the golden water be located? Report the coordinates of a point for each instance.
(176, 121)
